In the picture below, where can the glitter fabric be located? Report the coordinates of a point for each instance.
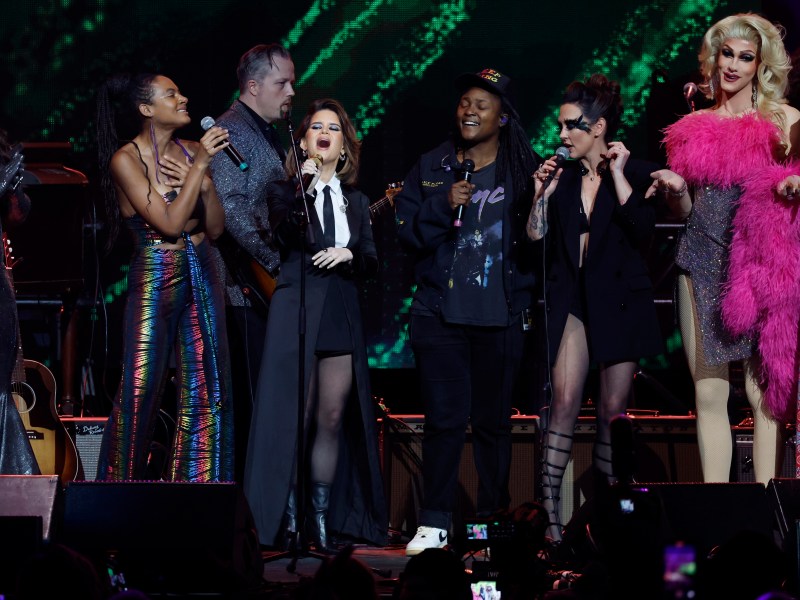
(699, 148)
(175, 303)
(703, 253)
(243, 195)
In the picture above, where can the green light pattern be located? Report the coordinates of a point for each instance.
(347, 32)
(118, 288)
(315, 10)
(382, 355)
(630, 65)
(426, 46)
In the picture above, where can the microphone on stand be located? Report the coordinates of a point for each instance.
(467, 167)
(287, 116)
(207, 123)
(689, 90)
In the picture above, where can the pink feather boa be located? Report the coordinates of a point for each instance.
(706, 148)
(762, 294)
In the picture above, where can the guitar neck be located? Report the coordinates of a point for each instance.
(18, 374)
(379, 206)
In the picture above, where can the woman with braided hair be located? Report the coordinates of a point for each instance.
(158, 186)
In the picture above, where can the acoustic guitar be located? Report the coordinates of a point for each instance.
(33, 390)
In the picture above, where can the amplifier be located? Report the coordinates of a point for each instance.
(87, 432)
(401, 452)
(666, 451)
(743, 456)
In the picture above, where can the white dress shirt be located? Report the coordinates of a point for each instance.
(339, 209)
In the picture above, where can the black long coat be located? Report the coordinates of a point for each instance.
(620, 320)
(358, 508)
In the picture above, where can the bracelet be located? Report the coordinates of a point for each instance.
(679, 193)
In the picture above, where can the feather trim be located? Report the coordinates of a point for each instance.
(762, 295)
(705, 148)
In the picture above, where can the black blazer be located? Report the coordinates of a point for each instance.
(619, 314)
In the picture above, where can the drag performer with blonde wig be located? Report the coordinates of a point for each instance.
(734, 175)
(158, 185)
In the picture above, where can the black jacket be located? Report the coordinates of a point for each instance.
(425, 228)
(620, 319)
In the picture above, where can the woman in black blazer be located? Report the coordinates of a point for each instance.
(346, 489)
(598, 295)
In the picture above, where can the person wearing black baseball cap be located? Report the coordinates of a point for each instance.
(461, 215)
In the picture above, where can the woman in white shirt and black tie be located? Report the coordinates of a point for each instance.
(342, 468)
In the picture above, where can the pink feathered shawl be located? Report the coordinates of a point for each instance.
(762, 294)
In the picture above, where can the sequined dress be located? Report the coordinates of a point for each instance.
(703, 253)
(699, 148)
(175, 303)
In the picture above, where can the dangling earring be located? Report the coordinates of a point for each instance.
(712, 85)
(755, 93)
(342, 156)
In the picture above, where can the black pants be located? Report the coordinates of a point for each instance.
(467, 375)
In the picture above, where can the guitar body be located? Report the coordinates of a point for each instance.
(262, 279)
(35, 398)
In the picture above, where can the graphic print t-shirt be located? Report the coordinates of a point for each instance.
(475, 294)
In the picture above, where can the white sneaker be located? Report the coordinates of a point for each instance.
(427, 537)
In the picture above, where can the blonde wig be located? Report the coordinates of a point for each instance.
(774, 64)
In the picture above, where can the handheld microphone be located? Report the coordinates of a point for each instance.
(562, 154)
(207, 123)
(310, 179)
(689, 90)
(467, 167)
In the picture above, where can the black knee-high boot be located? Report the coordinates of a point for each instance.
(290, 518)
(320, 502)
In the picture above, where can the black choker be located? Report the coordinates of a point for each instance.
(601, 168)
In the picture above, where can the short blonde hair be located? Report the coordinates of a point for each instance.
(774, 64)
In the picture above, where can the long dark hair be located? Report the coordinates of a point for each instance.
(118, 119)
(515, 152)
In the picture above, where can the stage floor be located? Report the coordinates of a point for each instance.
(387, 563)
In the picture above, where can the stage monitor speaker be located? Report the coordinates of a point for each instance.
(32, 496)
(743, 456)
(402, 459)
(87, 433)
(22, 539)
(666, 451)
(784, 501)
(706, 515)
(166, 536)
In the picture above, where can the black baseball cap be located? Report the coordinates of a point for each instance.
(491, 80)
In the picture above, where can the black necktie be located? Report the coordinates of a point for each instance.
(328, 224)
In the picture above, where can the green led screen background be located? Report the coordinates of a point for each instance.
(391, 63)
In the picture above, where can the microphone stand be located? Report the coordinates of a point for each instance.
(298, 547)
